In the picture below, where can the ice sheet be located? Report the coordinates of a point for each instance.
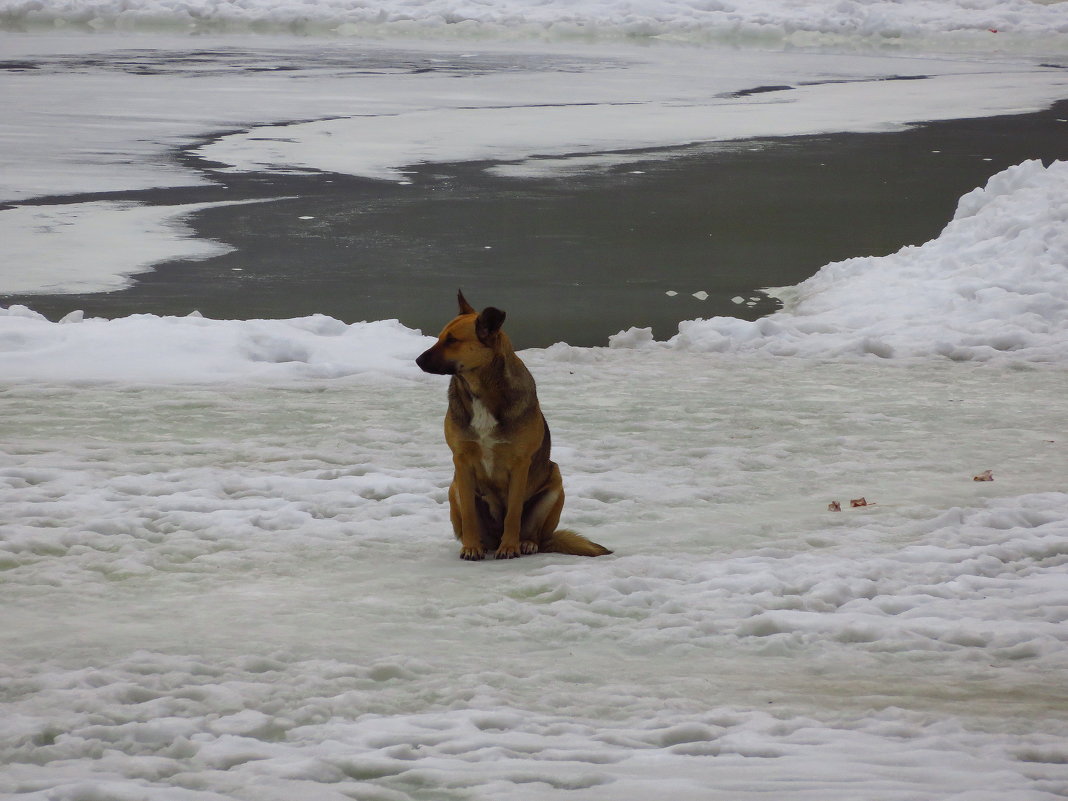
(104, 113)
(93, 247)
(380, 146)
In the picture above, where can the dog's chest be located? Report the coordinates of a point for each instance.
(484, 427)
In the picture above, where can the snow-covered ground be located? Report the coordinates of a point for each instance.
(226, 566)
(248, 591)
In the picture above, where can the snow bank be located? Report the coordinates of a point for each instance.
(147, 348)
(808, 22)
(992, 285)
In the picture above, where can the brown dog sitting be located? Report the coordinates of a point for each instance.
(506, 494)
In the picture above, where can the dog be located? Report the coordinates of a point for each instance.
(506, 494)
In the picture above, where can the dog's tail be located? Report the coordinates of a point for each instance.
(566, 541)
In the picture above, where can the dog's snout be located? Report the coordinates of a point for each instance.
(432, 361)
(428, 361)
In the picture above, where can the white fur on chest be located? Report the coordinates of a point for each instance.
(484, 426)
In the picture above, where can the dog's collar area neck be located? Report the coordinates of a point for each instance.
(467, 384)
(480, 381)
(476, 394)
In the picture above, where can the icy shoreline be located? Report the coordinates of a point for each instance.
(992, 286)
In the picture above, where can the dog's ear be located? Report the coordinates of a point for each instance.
(488, 324)
(465, 307)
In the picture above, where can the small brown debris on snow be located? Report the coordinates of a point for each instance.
(986, 475)
(834, 506)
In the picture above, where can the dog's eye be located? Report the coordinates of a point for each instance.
(450, 340)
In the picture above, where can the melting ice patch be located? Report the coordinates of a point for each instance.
(94, 247)
(993, 284)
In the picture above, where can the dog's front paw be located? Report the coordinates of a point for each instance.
(528, 547)
(472, 554)
(507, 552)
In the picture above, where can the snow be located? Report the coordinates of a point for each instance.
(249, 590)
(226, 559)
(193, 349)
(792, 22)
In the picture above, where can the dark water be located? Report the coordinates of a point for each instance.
(578, 258)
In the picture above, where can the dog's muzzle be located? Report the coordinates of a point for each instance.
(430, 361)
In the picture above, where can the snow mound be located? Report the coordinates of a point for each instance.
(194, 349)
(992, 285)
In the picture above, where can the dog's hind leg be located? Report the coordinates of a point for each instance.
(548, 510)
(542, 515)
(541, 519)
